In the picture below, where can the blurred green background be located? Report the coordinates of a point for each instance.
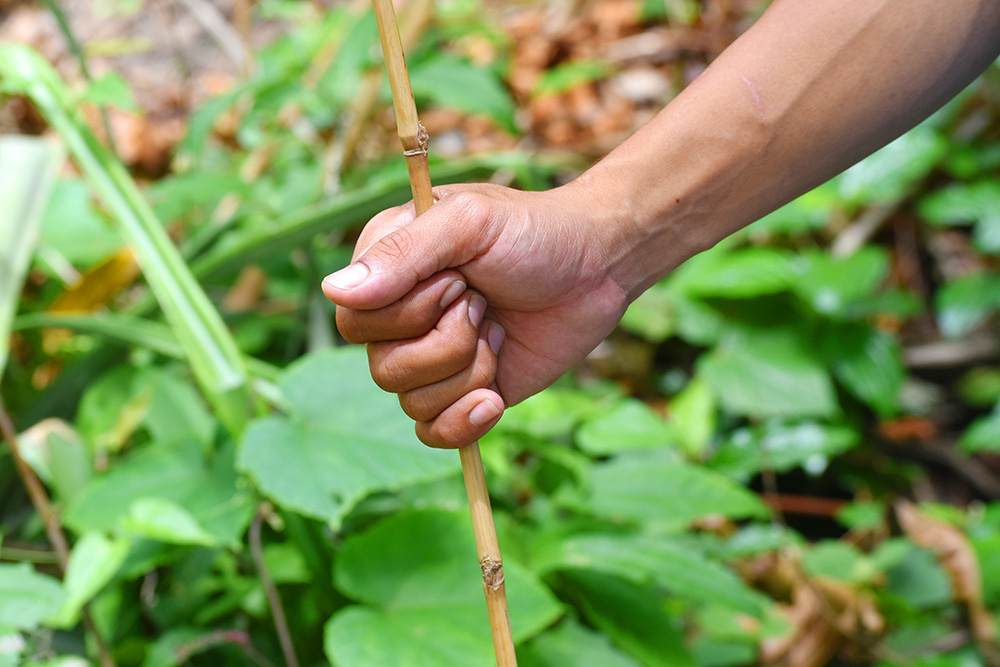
(787, 454)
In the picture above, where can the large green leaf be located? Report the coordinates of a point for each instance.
(73, 228)
(781, 446)
(209, 347)
(693, 412)
(94, 561)
(26, 597)
(344, 439)
(964, 303)
(830, 284)
(735, 274)
(572, 644)
(891, 172)
(631, 424)
(28, 169)
(967, 203)
(666, 493)
(983, 435)
(769, 373)
(176, 474)
(420, 585)
(632, 616)
(452, 82)
(869, 363)
(672, 565)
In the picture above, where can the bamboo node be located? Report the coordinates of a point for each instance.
(423, 141)
(492, 572)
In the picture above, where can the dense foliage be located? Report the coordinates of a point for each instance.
(786, 455)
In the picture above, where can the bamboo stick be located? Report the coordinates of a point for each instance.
(414, 139)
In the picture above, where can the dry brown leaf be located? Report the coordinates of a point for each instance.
(99, 284)
(958, 558)
(247, 291)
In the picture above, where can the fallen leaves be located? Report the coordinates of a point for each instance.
(958, 558)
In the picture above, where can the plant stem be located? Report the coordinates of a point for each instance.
(50, 519)
(81, 59)
(413, 137)
(271, 591)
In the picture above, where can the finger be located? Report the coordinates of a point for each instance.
(464, 422)
(404, 365)
(450, 234)
(425, 403)
(413, 315)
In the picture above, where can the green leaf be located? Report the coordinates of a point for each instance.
(630, 424)
(572, 644)
(805, 214)
(888, 174)
(831, 284)
(111, 89)
(28, 170)
(210, 349)
(666, 493)
(919, 580)
(92, 564)
(632, 616)
(869, 363)
(568, 75)
(983, 435)
(782, 446)
(345, 439)
(838, 560)
(74, 229)
(652, 315)
(177, 473)
(692, 411)
(165, 521)
(964, 303)
(420, 585)
(769, 373)
(670, 564)
(735, 274)
(967, 203)
(452, 82)
(26, 597)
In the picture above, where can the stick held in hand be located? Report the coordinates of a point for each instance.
(414, 140)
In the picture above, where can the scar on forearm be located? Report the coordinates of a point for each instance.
(754, 95)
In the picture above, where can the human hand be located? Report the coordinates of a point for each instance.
(435, 298)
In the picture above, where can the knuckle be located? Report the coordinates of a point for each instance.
(440, 432)
(417, 406)
(347, 325)
(470, 206)
(385, 371)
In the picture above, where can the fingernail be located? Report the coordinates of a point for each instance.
(454, 291)
(348, 277)
(477, 308)
(484, 413)
(495, 336)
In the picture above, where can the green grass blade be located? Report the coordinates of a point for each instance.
(207, 344)
(28, 169)
(130, 330)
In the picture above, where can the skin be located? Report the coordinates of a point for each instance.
(807, 91)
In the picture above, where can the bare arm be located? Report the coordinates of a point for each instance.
(811, 88)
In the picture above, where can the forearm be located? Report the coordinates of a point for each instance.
(812, 87)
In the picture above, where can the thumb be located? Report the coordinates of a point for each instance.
(446, 236)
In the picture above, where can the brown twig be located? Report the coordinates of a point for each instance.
(413, 137)
(271, 591)
(234, 637)
(50, 519)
